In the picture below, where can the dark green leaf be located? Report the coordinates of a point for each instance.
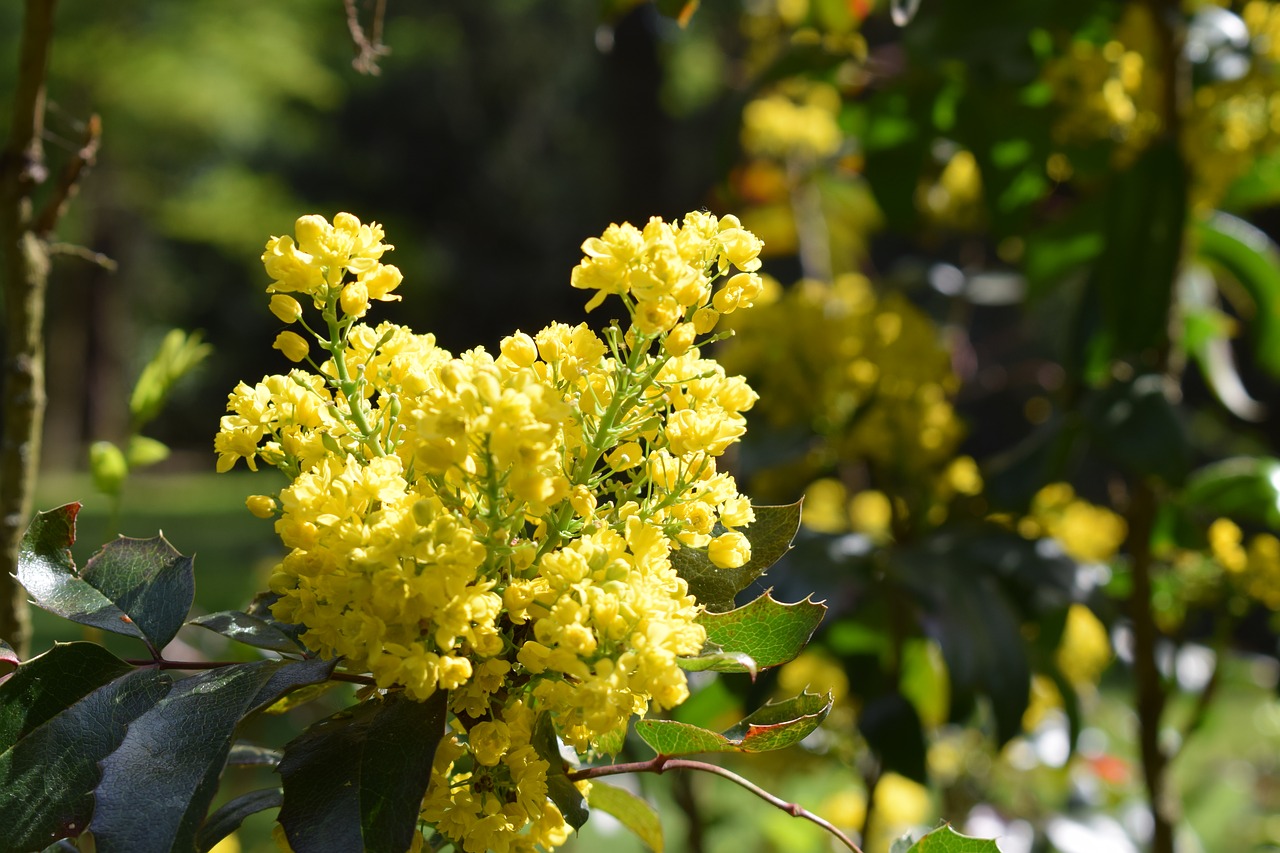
(893, 731)
(770, 536)
(1253, 260)
(1245, 487)
(60, 714)
(1133, 278)
(289, 677)
(767, 632)
(1139, 429)
(947, 840)
(560, 788)
(251, 630)
(228, 819)
(139, 588)
(631, 811)
(973, 620)
(355, 781)
(775, 726)
(7, 654)
(173, 755)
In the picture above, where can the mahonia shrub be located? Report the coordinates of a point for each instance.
(500, 526)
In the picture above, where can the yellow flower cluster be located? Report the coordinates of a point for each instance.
(869, 374)
(1111, 91)
(799, 122)
(1087, 532)
(501, 526)
(1255, 568)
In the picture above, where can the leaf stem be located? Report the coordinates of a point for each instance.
(660, 764)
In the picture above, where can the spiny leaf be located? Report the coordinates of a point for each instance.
(767, 631)
(774, 726)
(631, 811)
(355, 780)
(770, 536)
(944, 839)
(137, 587)
(227, 819)
(250, 630)
(61, 714)
(560, 788)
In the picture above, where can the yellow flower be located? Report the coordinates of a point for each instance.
(729, 550)
(263, 506)
(286, 308)
(294, 346)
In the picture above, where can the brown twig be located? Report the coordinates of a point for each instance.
(194, 665)
(83, 253)
(369, 44)
(69, 181)
(660, 764)
(25, 274)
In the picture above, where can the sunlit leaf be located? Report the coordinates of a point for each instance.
(947, 840)
(355, 780)
(1252, 258)
(767, 632)
(631, 811)
(1243, 487)
(137, 587)
(774, 726)
(251, 630)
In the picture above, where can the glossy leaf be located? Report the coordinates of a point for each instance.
(560, 788)
(766, 632)
(631, 811)
(944, 839)
(230, 816)
(157, 787)
(1244, 487)
(774, 726)
(137, 587)
(248, 755)
(1253, 260)
(7, 654)
(61, 714)
(770, 536)
(250, 630)
(355, 780)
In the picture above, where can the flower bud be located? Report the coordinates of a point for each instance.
(286, 308)
(294, 346)
(263, 506)
(354, 299)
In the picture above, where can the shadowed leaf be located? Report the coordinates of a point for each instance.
(560, 788)
(61, 714)
(355, 780)
(157, 787)
(227, 819)
(770, 536)
(251, 630)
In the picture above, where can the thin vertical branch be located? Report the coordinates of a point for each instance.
(25, 260)
(369, 46)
